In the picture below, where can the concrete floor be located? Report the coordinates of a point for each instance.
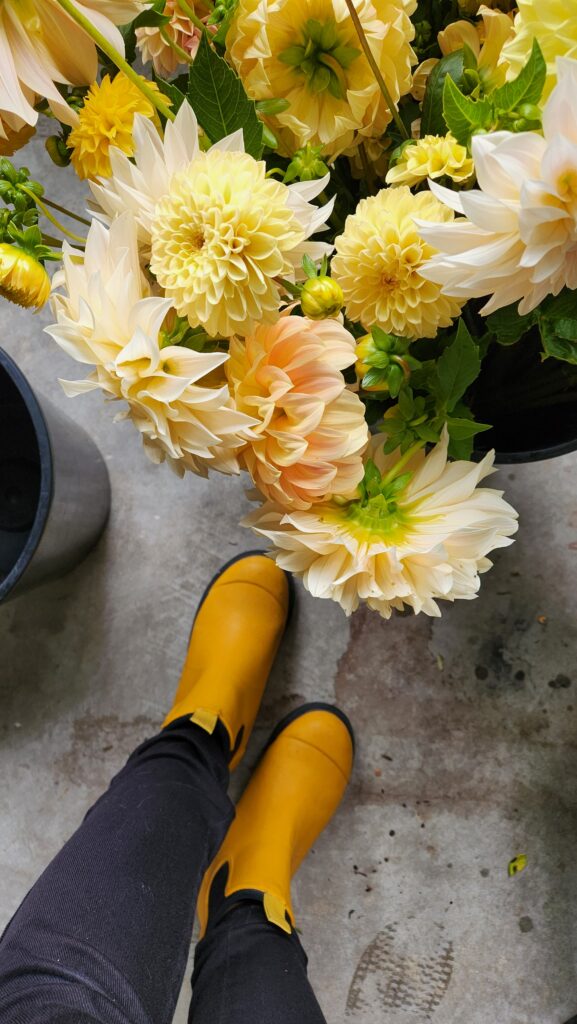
(467, 731)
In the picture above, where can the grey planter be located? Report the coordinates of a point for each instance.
(54, 487)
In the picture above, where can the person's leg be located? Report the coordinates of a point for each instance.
(104, 934)
(250, 964)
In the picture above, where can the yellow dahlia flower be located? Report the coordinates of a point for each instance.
(433, 156)
(377, 264)
(23, 279)
(41, 45)
(311, 429)
(396, 548)
(221, 236)
(106, 120)
(553, 23)
(154, 45)
(308, 52)
(106, 317)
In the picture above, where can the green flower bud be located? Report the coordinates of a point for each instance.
(530, 111)
(57, 151)
(306, 165)
(321, 297)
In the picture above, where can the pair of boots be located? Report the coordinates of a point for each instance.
(304, 770)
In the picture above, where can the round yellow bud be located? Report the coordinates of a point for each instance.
(23, 279)
(321, 297)
(365, 348)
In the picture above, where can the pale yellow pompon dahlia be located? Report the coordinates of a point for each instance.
(308, 52)
(553, 23)
(433, 156)
(412, 547)
(222, 235)
(23, 279)
(311, 429)
(106, 318)
(106, 120)
(140, 183)
(377, 264)
(41, 45)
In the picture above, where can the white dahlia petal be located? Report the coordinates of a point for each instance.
(412, 548)
(106, 318)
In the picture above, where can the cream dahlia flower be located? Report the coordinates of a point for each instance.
(518, 242)
(553, 23)
(216, 230)
(311, 429)
(41, 45)
(308, 52)
(107, 318)
(378, 262)
(412, 546)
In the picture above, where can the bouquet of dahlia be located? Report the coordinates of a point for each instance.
(312, 223)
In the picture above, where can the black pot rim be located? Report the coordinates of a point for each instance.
(514, 458)
(46, 472)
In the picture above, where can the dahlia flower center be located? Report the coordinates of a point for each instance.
(322, 57)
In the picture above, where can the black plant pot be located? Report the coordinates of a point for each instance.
(54, 487)
(531, 403)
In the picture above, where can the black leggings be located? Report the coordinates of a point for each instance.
(103, 936)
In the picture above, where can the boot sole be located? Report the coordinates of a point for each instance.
(233, 561)
(304, 710)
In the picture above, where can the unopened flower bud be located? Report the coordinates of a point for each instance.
(321, 297)
(306, 165)
(57, 151)
(365, 350)
(23, 279)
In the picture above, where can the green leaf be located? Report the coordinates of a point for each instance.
(373, 377)
(463, 116)
(309, 266)
(457, 367)
(461, 428)
(508, 326)
(432, 120)
(171, 90)
(219, 101)
(527, 87)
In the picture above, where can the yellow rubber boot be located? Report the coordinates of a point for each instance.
(292, 795)
(235, 636)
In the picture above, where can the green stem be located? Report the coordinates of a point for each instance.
(63, 209)
(116, 58)
(187, 9)
(178, 50)
(50, 216)
(400, 465)
(275, 170)
(292, 289)
(375, 69)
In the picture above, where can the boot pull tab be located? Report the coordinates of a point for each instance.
(205, 719)
(275, 910)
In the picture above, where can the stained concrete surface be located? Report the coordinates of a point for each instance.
(466, 726)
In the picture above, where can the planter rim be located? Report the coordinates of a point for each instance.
(46, 472)
(513, 458)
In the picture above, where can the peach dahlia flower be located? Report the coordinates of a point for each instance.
(311, 429)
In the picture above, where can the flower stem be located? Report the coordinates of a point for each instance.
(63, 209)
(187, 9)
(402, 462)
(178, 50)
(50, 216)
(116, 58)
(375, 69)
(292, 289)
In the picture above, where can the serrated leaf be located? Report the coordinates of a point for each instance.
(219, 101)
(462, 114)
(527, 87)
(460, 428)
(457, 367)
(432, 120)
